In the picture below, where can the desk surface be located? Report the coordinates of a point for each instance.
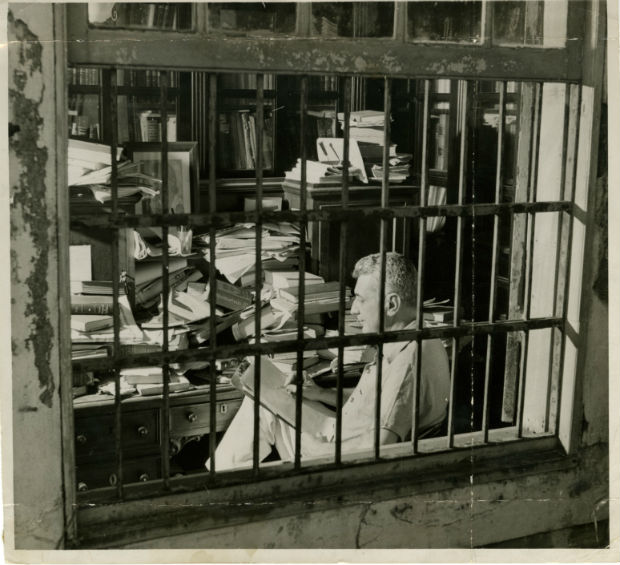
(198, 394)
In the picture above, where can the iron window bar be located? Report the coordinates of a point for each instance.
(494, 252)
(212, 203)
(301, 297)
(466, 86)
(421, 258)
(110, 75)
(382, 262)
(163, 77)
(258, 281)
(342, 271)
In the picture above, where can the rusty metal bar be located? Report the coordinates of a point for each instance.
(421, 257)
(212, 203)
(356, 214)
(493, 286)
(529, 256)
(258, 274)
(463, 146)
(301, 296)
(165, 200)
(110, 75)
(246, 349)
(385, 199)
(343, 266)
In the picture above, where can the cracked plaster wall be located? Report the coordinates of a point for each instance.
(38, 499)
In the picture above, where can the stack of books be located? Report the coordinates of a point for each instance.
(318, 298)
(149, 381)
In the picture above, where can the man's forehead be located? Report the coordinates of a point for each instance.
(366, 282)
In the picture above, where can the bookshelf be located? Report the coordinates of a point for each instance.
(138, 106)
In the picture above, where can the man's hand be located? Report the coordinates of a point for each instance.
(310, 389)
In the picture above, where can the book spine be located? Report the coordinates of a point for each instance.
(93, 308)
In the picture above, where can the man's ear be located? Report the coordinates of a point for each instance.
(392, 304)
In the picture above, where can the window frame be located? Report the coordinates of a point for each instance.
(535, 455)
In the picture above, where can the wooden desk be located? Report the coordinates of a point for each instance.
(142, 432)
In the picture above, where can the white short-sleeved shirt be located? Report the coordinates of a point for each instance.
(399, 366)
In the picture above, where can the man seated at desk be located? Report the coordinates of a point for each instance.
(358, 412)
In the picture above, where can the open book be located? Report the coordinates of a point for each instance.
(275, 398)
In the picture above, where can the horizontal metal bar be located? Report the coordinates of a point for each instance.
(246, 349)
(224, 219)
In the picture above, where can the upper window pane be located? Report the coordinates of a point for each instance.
(541, 23)
(352, 19)
(252, 17)
(451, 21)
(141, 15)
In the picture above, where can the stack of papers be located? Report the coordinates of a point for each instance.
(236, 247)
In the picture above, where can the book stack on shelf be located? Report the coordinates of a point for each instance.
(89, 175)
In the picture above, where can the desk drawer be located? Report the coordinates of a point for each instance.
(194, 419)
(104, 474)
(94, 435)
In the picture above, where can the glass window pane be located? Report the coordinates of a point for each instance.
(530, 23)
(352, 19)
(141, 15)
(253, 17)
(453, 21)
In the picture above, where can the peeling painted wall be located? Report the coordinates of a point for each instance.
(34, 274)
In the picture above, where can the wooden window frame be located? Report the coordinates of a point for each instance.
(533, 455)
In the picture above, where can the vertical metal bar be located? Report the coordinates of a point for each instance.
(163, 76)
(118, 418)
(493, 286)
(385, 199)
(343, 265)
(486, 22)
(459, 257)
(421, 257)
(301, 297)
(212, 202)
(531, 223)
(258, 273)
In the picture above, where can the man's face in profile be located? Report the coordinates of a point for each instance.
(366, 302)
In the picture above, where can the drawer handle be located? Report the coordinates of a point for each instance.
(113, 479)
(144, 477)
(143, 431)
(81, 438)
(82, 486)
(192, 417)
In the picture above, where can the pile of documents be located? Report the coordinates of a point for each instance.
(235, 248)
(89, 174)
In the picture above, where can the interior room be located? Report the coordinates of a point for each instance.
(308, 275)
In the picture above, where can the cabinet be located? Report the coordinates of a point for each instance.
(142, 433)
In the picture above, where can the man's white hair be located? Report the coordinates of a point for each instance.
(400, 274)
